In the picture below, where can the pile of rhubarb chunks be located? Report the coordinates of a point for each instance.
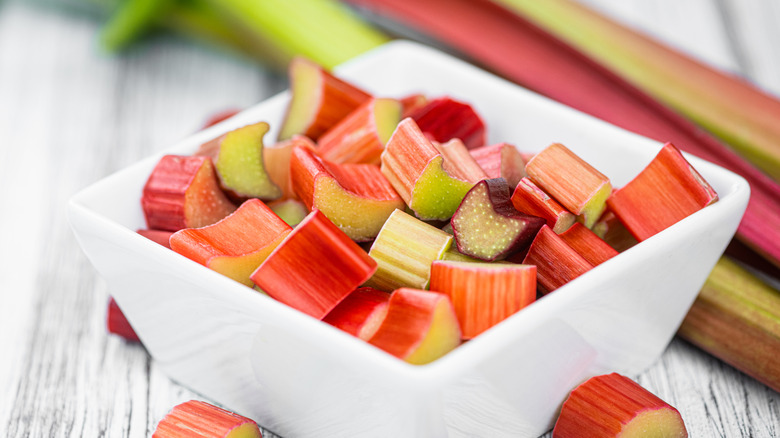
(391, 219)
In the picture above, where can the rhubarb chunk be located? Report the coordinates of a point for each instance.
(277, 161)
(158, 236)
(319, 100)
(501, 160)
(314, 268)
(198, 419)
(484, 294)
(530, 199)
(415, 168)
(361, 136)
(117, 323)
(488, 227)
(291, 211)
(183, 192)
(615, 406)
(614, 232)
(360, 313)
(668, 190)
(556, 262)
(420, 326)
(355, 197)
(236, 245)
(446, 118)
(590, 246)
(404, 251)
(577, 185)
(458, 162)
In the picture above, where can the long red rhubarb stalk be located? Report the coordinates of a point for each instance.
(519, 50)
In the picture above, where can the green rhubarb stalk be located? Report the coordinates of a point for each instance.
(740, 114)
(132, 20)
(736, 317)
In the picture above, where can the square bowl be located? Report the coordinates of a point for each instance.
(300, 377)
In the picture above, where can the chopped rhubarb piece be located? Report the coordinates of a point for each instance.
(404, 251)
(420, 326)
(197, 419)
(577, 185)
(501, 160)
(183, 192)
(446, 118)
(238, 158)
(314, 268)
(556, 262)
(292, 211)
(484, 294)
(117, 323)
(590, 246)
(453, 255)
(355, 197)
(668, 190)
(361, 136)
(158, 236)
(319, 100)
(458, 162)
(220, 116)
(360, 313)
(614, 232)
(411, 103)
(236, 245)
(415, 169)
(487, 226)
(529, 198)
(277, 161)
(615, 406)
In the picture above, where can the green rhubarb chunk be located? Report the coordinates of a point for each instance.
(240, 163)
(436, 195)
(291, 211)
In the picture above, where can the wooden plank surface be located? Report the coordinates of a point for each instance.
(70, 115)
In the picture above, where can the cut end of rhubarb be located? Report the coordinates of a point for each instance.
(200, 419)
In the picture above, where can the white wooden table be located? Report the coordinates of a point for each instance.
(70, 115)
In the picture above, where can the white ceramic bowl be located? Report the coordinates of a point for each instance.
(302, 378)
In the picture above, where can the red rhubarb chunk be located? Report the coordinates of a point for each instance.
(197, 419)
(556, 262)
(117, 323)
(590, 246)
(158, 236)
(360, 313)
(446, 118)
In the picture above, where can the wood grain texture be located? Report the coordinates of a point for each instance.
(70, 115)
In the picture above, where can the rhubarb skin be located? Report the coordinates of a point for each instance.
(668, 190)
(415, 168)
(556, 262)
(183, 192)
(420, 326)
(488, 227)
(197, 419)
(590, 246)
(445, 118)
(577, 185)
(319, 100)
(361, 136)
(612, 405)
(484, 294)
(531, 199)
(117, 323)
(501, 160)
(355, 197)
(314, 268)
(360, 313)
(236, 245)
(458, 162)
(157, 236)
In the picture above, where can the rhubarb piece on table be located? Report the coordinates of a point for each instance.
(410, 104)
(314, 268)
(415, 168)
(277, 162)
(446, 118)
(577, 185)
(530, 199)
(556, 262)
(590, 246)
(238, 158)
(236, 245)
(361, 136)
(614, 232)
(668, 190)
(319, 100)
(356, 197)
(404, 250)
(360, 313)
(161, 237)
(484, 294)
(458, 162)
(117, 323)
(292, 211)
(195, 418)
(501, 160)
(183, 192)
(420, 326)
(612, 405)
(487, 226)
